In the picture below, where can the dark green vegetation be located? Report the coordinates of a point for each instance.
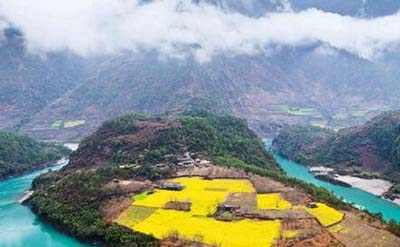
(394, 227)
(73, 205)
(20, 154)
(138, 139)
(129, 147)
(368, 150)
(291, 140)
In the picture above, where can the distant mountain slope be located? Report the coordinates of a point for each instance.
(339, 90)
(373, 147)
(64, 98)
(150, 85)
(364, 8)
(29, 82)
(20, 154)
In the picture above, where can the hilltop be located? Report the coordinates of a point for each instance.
(136, 174)
(135, 138)
(20, 154)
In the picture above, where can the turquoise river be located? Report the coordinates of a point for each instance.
(19, 227)
(356, 196)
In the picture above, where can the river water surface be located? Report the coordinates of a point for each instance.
(19, 227)
(359, 197)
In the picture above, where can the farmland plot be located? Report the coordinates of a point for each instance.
(157, 213)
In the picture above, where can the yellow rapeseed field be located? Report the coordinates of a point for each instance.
(325, 214)
(205, 195)
(148, 216)
(289, 234)
(226, 234)
(338, 229)
(272, 201)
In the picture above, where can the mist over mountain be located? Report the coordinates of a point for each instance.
(61, 79)
(29, 82)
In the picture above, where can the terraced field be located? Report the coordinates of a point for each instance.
(204, 195)
(148, 213)
(272, 201)
(74, 123)
(297, 111)
(326, 215)
(213, 232)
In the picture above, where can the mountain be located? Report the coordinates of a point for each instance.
(144, 83)
(206, 176)
(20, 154)
(266, 90)
(125, 139)
(64, 97)
(364, 8)
(29, 82)
(367, 150)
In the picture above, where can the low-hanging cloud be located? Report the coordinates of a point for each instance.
(181, 28)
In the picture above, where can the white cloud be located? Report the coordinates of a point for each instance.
(179, 28)
(326, 50)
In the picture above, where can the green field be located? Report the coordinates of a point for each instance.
(359, 113)
(321, 123)
(140, 196)
(350, 114)
(297, 111)
(56, 124)
(340, 116)
(74, 123)
(135, 214)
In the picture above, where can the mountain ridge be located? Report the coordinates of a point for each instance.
(367, 150)
(310, 84)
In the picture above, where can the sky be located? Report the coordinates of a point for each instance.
(180, 28)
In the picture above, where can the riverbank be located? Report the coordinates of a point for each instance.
(377, 187)
(48, 165)
(356, 196)
(19, 225)
(374, 186)
(58, 165)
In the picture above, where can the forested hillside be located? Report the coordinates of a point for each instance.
(365, 150)
(20, 154)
